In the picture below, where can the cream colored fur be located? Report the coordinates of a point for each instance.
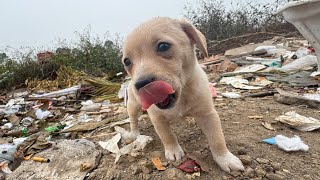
(178, 67)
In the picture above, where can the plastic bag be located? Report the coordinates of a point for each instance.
(291, 144)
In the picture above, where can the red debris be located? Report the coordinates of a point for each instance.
(190, 166)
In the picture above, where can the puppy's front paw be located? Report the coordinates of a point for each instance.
(229, 162)
(174, 153)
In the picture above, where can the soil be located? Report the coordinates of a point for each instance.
(244, 138)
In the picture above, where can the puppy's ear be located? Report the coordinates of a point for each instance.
(195, 36)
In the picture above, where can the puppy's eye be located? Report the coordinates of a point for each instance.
(127, 62)
(163, 47)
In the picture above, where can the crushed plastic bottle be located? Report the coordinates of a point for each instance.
(27, 121)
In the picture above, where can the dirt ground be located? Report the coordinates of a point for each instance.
(244, 137)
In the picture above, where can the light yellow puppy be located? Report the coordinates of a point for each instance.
(167, 80)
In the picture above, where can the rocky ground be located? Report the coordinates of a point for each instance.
(244, 138)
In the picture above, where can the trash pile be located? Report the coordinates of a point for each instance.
(285, 68)
(268, 68)
(57, 114)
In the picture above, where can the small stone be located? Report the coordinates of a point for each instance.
(136, 170)
(146, 176)
(131, 159)
(245, 159)
(242, 151)
(249, 172)
(2, 176)
(268, 168)
(225, 178)
(281, 173)
(155, 154)
(147, 169)
(165, 163)
(260, 172)
(174, 174)
(307, 176)
(142, 162)
(262, 161)
(114, 174)
(273, 176)
(235, 173)
(276, 166)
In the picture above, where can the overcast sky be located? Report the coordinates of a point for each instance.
(41, 23)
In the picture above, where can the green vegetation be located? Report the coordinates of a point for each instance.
(217, 22)
(92, 55)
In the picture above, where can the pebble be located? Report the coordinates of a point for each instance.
(131, 159)
(242, 151)
(165, 163)
(262, 161)
(273, 176)
(260, 172)
(276, 166)
(114, 174)
(2, 176)
(245, 159)
(235, 173)
(225, 178)
(142, 162)
(146, 176)
(307, 176)
(249, 172)
(146, 169)
(268, 168)
(155, 154)
(174, 174)
(136, 170)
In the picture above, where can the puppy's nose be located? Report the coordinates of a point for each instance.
(143, 81)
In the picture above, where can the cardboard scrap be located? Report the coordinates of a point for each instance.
(158, 164)
(299, 122)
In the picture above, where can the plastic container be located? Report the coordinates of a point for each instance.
(305, 16)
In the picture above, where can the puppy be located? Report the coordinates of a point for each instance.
(168, 82)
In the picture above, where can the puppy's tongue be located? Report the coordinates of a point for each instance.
(154, 92)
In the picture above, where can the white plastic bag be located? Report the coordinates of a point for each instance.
(291, 144)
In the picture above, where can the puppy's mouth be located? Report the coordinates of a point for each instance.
(159, 93)
(168, 102)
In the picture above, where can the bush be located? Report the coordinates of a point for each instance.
(14, 73)
(91, 55)
(213, 19)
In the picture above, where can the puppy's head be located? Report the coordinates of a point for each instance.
(162, 50)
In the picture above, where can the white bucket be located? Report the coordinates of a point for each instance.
(305, 16)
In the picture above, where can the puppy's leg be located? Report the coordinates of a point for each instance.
(211, 127)
(133, 109)
(173, 150)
